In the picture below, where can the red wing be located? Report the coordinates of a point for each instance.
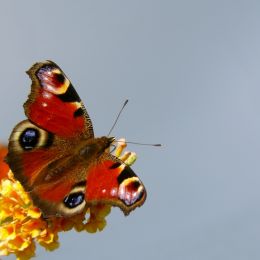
(47, 170)
(115, 183)
(54, 104)
(50, 181)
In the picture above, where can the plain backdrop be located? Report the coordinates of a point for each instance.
(190, 70)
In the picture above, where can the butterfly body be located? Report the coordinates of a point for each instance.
(56, 157)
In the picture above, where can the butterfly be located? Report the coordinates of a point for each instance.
(56, 157)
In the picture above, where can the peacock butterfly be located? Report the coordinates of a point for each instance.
(56, 157)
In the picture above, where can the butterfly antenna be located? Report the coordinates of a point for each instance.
(157, 145)
(113, 126)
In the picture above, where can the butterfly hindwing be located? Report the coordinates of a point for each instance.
(113, 182)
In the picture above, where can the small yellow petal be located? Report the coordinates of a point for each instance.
(34, 213)
(51, 246)
(4, 251)
(26, 254)
(7, 232)
(19, 243)
(120, 147)
(91, 227)
(95, 225)
(130, 158)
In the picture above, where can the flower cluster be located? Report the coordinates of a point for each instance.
(22, 224)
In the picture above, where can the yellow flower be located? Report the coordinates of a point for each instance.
(22, 225)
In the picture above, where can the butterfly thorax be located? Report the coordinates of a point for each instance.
(94, 147)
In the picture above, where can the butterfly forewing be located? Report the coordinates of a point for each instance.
(54, 104)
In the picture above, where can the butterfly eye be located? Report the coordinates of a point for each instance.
(59, 77)
(29, 138)
(131, 191)
(74, 199)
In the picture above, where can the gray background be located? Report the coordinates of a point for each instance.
(191, 72)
